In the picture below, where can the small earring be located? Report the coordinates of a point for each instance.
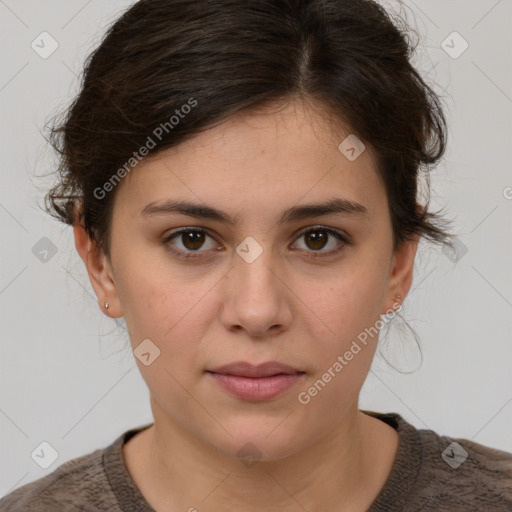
(106, 305)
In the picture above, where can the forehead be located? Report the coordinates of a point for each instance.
(261, 159)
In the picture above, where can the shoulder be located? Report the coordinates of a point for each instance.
(461, 472)
(438, 473)
(77, 485)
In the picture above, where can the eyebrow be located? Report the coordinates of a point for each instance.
(295, 213)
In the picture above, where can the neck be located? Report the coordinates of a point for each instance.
(344, 470)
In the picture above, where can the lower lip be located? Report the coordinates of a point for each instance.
(256, 389)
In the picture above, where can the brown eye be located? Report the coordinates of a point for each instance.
(188, 241)
(192, 240)
(317, 238)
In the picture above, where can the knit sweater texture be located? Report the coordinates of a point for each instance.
(430, 473)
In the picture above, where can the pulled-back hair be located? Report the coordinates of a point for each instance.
(168, 69)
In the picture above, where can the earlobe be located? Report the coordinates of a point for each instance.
(400, 280)
(99, 271)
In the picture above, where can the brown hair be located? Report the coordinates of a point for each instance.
(221, 57)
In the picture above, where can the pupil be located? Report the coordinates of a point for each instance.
(318, 240)
(196, 243)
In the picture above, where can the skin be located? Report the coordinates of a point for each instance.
(284, 306)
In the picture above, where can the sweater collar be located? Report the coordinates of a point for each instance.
(393, 495)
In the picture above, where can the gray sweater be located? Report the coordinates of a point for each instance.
(431, 473)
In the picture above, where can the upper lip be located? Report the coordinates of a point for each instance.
(243, 369)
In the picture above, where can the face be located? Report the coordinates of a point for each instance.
(298, 289)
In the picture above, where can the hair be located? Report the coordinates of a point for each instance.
(223, 57)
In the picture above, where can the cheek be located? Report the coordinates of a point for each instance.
(346, 339)
(171, 318)
(170, 309)
(156, 296)
(344, 351)
(346, 304)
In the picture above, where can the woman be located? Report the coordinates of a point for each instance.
(242, 179)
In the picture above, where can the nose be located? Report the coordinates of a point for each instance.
(256, 297)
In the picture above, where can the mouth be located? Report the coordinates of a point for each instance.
(244, 369)
(256, 383)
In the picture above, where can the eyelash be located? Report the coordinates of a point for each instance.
(315, 254)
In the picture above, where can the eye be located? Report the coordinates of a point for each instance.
(319, 237)
(191, 240)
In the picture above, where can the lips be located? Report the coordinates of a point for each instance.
(256, 383)
(268, 369)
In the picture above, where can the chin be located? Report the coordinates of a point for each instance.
(260, 440)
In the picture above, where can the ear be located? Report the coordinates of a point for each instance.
(400, 279)
(100, 271)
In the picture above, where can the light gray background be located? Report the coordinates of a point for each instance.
(66, 377)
